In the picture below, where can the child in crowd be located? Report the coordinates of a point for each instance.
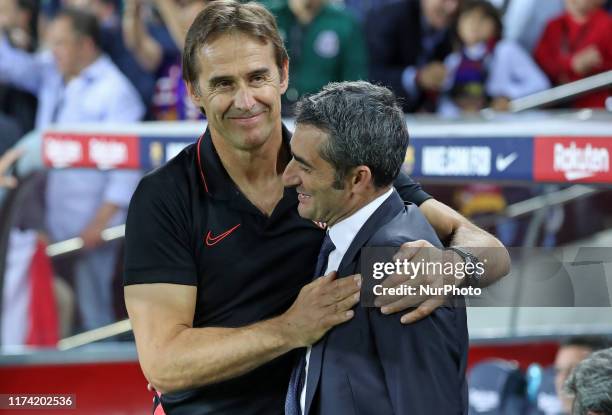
(486, 70)
(576, 45)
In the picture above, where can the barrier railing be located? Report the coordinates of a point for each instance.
(562, 93)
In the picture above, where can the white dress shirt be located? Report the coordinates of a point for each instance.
(342, 235)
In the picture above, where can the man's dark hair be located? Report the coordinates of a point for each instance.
(226, 17)
(365, 124)
(593, 343)
(84, 24)
(590, 384)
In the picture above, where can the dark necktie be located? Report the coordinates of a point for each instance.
(326, 248)
(298, 376)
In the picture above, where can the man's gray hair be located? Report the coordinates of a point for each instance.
(590, 384)
(365, 125)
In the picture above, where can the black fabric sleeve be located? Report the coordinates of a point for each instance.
(409, 190)
(158, 240)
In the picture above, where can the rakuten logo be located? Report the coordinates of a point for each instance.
(580, 162)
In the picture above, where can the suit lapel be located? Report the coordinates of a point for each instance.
(385, 212)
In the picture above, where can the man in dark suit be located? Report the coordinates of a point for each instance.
(407, 42)
(348, 146)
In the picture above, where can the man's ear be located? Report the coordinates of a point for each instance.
(284, 74)
(361, 179)
(194, 94)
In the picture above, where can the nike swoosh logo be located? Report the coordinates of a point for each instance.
(502, 163)
(214, 240)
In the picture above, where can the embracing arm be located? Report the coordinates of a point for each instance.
(455, 230)
(174, 355)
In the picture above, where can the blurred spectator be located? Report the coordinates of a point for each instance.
(362, 8)
(499, 4)
(77, 83)
(486, 71)
(111, 39)
(325, 44)
(34, 301)
(18, 21)
(573, 351)
(525, 20)
(577, 45)
(10, 132)
(160, 54)
(408, 42)
(590, 384)
(7, 160)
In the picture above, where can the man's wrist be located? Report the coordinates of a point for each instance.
(471, 276)
(282, 327)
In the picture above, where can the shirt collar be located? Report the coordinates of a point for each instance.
(94, 70)
(343, 232)
(477, 51)
(214, 177)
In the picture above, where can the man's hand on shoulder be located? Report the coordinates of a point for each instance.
(424, 301)
(321, 305)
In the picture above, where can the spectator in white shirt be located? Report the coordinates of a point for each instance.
(525, 20)
(76, 83)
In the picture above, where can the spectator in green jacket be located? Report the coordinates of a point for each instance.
(325, 44)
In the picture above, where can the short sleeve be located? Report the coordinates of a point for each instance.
(409, 190)
(158, 240)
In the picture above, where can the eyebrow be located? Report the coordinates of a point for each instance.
(217, 79)
(260, 71)
(257, 72)
(301, 160)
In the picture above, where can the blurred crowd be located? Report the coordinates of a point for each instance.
(444, 56)
(105, 61)
(578, 382)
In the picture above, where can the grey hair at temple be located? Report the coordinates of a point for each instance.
(590, 384)
(366, 126)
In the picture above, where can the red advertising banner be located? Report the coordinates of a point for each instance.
(572, 159)
(102, 151)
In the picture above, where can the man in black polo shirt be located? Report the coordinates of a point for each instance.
(218, 261)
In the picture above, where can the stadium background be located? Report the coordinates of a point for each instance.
(537, 175)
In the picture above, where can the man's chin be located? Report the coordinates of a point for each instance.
(305, 213)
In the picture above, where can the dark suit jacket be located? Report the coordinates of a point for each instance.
(393, 34)
(375, 365)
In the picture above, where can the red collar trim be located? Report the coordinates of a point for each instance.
(200, 165)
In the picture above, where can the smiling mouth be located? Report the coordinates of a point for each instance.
(302, 197)
(246, 117)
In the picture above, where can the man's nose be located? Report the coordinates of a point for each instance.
(243, 100)
(290, 179)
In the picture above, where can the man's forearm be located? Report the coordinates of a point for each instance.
(103, 216)
(170, 13)
(221, 354)
(488, 249)
(455, 230)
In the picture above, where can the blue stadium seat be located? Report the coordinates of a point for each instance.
(497, 387)
(544, 400)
